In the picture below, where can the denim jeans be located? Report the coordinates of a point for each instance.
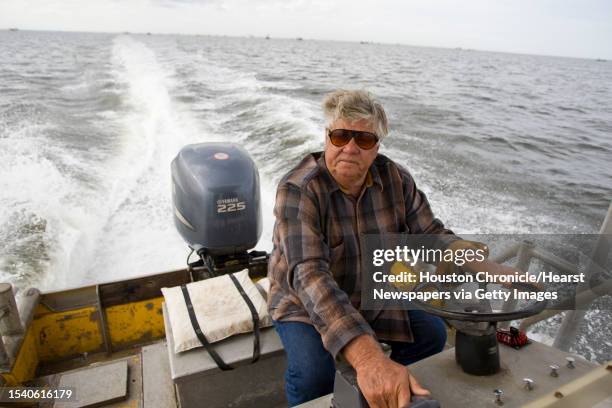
(311, 369)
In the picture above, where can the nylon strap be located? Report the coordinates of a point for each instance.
(254, 316)
(196, 326)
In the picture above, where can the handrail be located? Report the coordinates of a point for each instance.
(13, 321)
(526, 251)
(585, 296)
(10, 323)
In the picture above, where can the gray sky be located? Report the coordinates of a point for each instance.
(578, 28)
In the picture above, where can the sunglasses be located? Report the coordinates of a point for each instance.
(341, 137)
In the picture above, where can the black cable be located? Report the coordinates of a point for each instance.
(189, 256)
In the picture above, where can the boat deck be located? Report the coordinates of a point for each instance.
(145, 377)
(134, 378)
(142, 377)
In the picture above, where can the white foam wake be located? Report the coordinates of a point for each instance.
(51, 218)
(139, 236)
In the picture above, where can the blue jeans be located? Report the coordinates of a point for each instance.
(311, 369)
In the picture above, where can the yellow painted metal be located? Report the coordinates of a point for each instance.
(135, 322)
(24, 368)
(60, 335)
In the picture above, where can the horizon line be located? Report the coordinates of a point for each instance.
(364, 42)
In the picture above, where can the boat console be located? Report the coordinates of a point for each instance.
(479, 372)
(524, 380)
(475, 323)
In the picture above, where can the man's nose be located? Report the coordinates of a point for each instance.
(351, 147)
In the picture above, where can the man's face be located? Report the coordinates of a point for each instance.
(349, 164)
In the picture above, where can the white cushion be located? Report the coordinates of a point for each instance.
(219, 308)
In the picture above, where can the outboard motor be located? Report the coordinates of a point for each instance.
(216, 199)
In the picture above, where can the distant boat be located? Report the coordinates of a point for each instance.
(299, 39)
(13, 29)
(600, 60)
(148, 33)
(267, 37)
(364, 42)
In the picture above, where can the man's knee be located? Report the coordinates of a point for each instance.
(310, 368)
(431, 335)
(311, 379)
(429, 338)
(439, 336)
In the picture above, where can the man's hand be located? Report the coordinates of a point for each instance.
(383, 382)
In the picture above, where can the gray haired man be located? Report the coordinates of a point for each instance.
(322, 208)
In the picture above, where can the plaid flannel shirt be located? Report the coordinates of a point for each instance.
(315, 266)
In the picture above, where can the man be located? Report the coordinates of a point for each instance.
(322, 207)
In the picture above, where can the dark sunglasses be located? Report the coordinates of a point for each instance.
(341, 137)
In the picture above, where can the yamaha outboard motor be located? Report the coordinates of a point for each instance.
(217, 210)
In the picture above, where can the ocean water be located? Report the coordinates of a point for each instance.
(501, 143)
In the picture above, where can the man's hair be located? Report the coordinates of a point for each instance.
(353, 105)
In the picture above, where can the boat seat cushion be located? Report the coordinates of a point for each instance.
(219, 308)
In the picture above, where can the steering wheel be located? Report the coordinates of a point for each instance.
(479, 310)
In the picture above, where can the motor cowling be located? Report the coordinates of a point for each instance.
(216, 198)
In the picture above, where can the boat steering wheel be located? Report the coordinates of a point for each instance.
(479, 311)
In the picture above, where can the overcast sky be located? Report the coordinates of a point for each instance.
(578, 28)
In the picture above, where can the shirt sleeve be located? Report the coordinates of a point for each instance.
(419, 216)
(308, 258)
